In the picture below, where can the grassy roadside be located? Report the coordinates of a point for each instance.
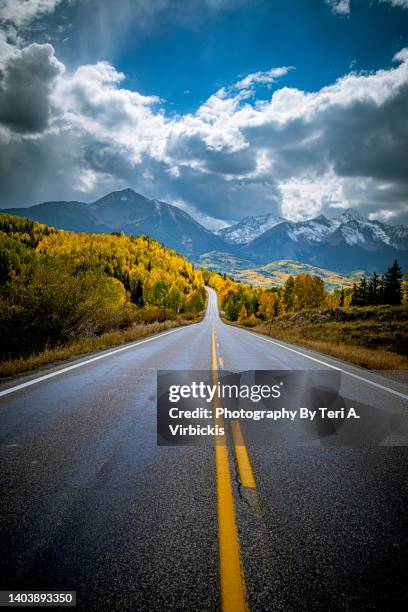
(85, 345)
(372, 337)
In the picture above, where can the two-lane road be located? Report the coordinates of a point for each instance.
(90, 502)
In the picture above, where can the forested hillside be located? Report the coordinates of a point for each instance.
(57, 286)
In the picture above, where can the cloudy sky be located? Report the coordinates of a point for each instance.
(222, 107)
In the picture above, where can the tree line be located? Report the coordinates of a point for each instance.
(251, 305)
(385, 289)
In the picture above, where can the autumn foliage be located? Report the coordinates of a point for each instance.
(250, 305)
(56, 285)
(303, 313)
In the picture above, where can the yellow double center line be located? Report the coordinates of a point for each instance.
(233, 596)
(244, 465)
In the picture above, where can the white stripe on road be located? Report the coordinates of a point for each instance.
(329, 365)
(34, 381)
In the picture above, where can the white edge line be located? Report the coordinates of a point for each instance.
(329, 365)
(34, 381)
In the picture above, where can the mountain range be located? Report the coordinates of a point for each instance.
(346, 243)
(131, 213)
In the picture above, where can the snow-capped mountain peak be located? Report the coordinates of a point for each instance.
(249, 228)
(357, 229)
(311, 230)
(350, 215)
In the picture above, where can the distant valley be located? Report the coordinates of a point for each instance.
(259, 249)
(274, 273)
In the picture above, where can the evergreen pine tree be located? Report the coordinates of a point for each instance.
(354, 296)
(381, 290)
(136, 294)
(359, 295)
(363, 292)
(393, 285)
(373, 290)
(126, 281)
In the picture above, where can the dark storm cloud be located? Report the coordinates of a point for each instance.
(209, 194)
(368, 139)
(294, 148)
(26, 85)
(194, 149)
(39, 169)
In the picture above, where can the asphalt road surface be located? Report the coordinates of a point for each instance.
(91, 504)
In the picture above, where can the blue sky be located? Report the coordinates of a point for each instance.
(147, 94)
(174, 49)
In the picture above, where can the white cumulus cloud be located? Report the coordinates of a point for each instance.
(265, 77)
(21, 12)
